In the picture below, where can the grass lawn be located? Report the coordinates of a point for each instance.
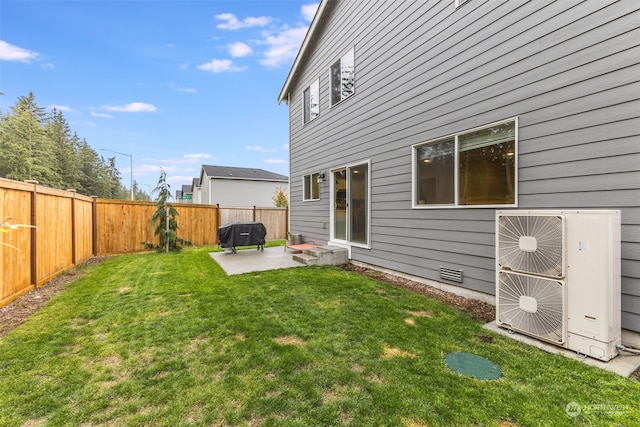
(170, 340)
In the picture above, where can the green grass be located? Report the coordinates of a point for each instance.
(170, 340)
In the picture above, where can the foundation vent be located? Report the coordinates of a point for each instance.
(451, 274)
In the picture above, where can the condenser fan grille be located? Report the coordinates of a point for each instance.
(532, 244)
(532, 305)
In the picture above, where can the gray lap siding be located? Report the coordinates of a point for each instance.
(569, 71)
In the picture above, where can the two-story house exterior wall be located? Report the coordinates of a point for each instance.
(384, 97)
(239, 187)
(197, 191)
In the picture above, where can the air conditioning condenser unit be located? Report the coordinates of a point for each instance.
(558, 277)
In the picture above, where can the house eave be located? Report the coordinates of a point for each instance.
(239, 178)
(301, 53)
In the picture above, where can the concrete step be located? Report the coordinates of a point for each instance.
(328, 255)
(306, 258)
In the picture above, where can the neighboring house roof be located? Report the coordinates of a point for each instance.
(178, 194)
(195, 183)
(186, 189)
(229, 172)
(308, 39)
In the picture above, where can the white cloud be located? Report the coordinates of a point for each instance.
(177, 181)
(233, 23)
(286, 147)
(283, 47)
(148, 169)
(259, 149)
(260, 21)
(220, 66)
(170, 45)
(309, 11)
(182, 89)
(275, 161)
(62, 108)
(186, 159)
(48, 66)
(9, 52)
(134, 107)
(197, 156)
(101, 115)
(239, 49)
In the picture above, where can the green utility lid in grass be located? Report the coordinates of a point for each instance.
(473, 365)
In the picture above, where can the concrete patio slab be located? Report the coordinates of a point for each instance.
(250, 260)
(623, 364)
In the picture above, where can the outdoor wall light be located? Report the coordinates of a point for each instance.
(321, 177)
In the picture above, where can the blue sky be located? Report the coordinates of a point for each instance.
(176, 84)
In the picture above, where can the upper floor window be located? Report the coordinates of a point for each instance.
(474, 168)
(311, 102)
(311, 190)
(343, 77)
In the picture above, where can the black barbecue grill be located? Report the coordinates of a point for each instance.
(242, 234)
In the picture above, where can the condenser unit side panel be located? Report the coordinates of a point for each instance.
(593, 276)
(597, 349)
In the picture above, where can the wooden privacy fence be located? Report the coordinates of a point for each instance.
(121, 225)
(70, 228)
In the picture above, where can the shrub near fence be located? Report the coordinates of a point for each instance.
(71, 228)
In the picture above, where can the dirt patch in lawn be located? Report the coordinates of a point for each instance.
(17, 312)
(389, 352)
(290, 340)
(420, 313)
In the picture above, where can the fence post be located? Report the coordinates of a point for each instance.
(94, 226)
(34, 238)
(254, 213)
(73, 225)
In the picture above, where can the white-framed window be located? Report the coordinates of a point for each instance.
(343, 77)
(311, 101)
(311, 187)
(474, 168)
(459, 3)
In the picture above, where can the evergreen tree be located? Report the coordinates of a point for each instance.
(139, 194)
(111, 178)
(97, 176)
(35, 145)
(14, 163)
(27, 150)
(64, 145)
(164, 219)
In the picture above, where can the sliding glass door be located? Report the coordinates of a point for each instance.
(350, 194)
